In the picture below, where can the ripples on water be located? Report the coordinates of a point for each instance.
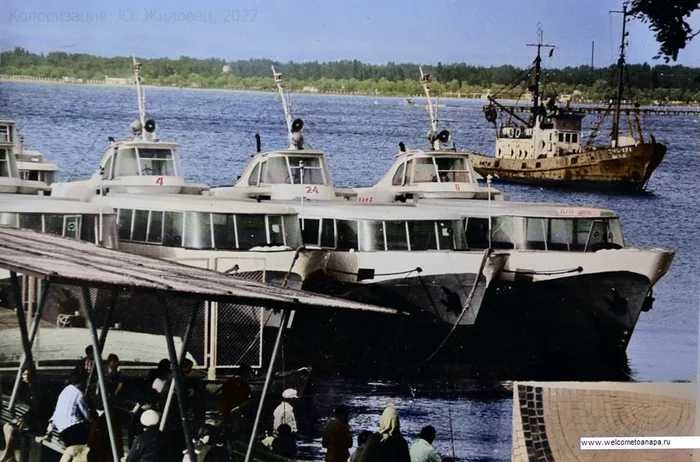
(360, 135)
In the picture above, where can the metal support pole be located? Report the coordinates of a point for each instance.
(283, 323)
(32, 336)
(100, 372)
(103, 333)
(176, 377)
(26, 345)
(181, 363)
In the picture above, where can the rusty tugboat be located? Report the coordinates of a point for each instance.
(546, 149)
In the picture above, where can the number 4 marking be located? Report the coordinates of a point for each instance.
(159, 181)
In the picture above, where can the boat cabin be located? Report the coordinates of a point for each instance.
(61, 217)
(435, 174)
(31, 165)
(283, 175)
(10, 180)
(141, 166)
(536, 226)
(556, 133)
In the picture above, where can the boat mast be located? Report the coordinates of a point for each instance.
(536, 97)
(279, 82)
(425, 80)
(615, 134)
(139, 93)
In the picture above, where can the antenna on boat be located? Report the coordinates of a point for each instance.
(143, 124)
(434, 137)
(294, 126)
(615, 133)
(536, 97)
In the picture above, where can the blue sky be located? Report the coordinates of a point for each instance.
(486, 32)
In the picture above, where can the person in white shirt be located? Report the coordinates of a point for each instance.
(422, 449)
(284, 414)
(71, 418)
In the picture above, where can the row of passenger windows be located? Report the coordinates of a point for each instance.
(203, 230)
(82, 227)
(431, 169)
(568, 137)
(375, 235)
(287, 170)
(575, 235)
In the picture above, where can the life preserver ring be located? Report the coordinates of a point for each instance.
(517, 133)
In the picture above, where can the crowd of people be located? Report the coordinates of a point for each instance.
(156, 433)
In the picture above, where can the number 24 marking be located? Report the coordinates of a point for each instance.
(310, 189)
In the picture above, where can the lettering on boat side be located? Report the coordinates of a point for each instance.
(311, 190)
(159, 181)
(457, 188)
(577, 212)
(365, 199)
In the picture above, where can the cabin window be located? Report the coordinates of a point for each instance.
(5, 134)
(124, 224)
(538, 164)
(253, 179)
(140, 228)
(347, 234)
(567, 138)
(4, 163)
(424, 170)
(173, 229)
(224, 225)
(310, 228)
(8, 219)
(561, 235)
(371, 235)
(574, 137)
(313, 172)
(292, 231)
(574, 160)
(536, 233)
(155, 227)
(396, 235)
(502, 233)
(328, 233)
(251, 231)
(108, 167)
(31, 221)
(71, 226)
(452, 170)
(445, 235)
(53, 224)
(197, 230)
(125, 163)
(89, 231)
(422, 235)
(397, 179)
(263, 172)
(156, 162)
(277, 171)
(275, 230)
(561, 137)
(477, 233)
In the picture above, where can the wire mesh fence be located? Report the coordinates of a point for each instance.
(223, 335)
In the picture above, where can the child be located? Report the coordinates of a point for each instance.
(113, 379)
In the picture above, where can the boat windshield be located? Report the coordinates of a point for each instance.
(4, 163)
(555, 234)
(156, 162)
(5, 134)
(83, 227)
(144, 161)
(287, 170)
(208, 231)
(379, 235)
(441, 170)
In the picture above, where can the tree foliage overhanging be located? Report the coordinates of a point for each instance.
(667, 19)
(644, 82)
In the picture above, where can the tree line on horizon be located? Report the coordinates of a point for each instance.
(644, 83)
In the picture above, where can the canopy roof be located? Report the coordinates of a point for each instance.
(67, 261)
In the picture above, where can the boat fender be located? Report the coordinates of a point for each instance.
(648, 301)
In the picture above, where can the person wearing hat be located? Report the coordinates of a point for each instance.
(284, 414)
(148, 446)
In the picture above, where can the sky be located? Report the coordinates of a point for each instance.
(486, 32)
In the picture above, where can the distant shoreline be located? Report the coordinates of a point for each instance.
(415, 97)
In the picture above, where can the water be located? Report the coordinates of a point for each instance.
(360, 135)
